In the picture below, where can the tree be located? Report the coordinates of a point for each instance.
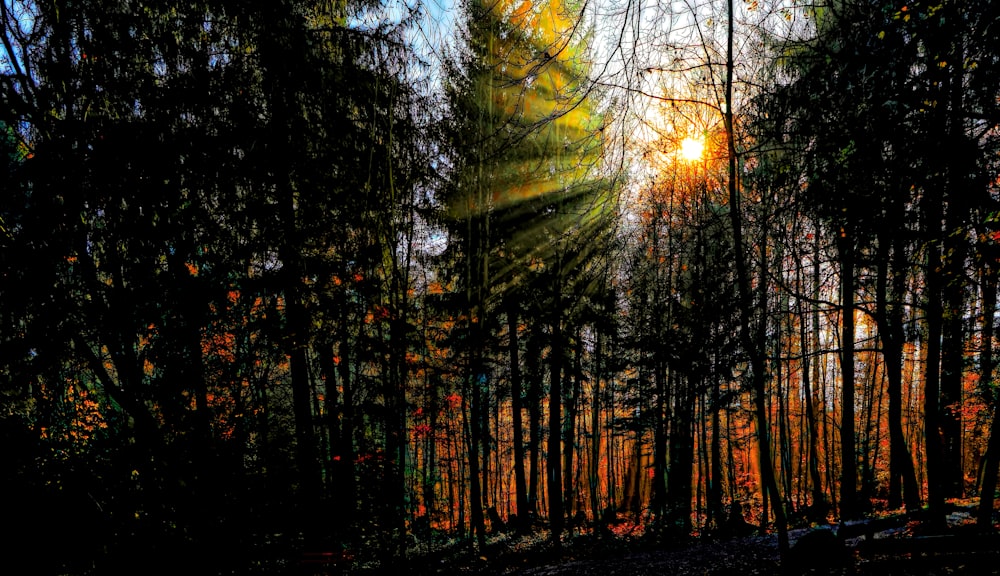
(524, 183)
(751, 336)
(206, 174)
(119, 255)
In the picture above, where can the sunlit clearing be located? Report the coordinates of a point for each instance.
(691, 149)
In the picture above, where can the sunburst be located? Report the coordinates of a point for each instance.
(692, 148)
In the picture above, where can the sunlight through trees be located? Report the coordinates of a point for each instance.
(356, 282)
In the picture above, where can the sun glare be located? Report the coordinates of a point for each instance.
(691, 148)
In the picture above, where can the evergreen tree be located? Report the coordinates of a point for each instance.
(527, 190)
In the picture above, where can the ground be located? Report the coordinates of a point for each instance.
(911, 553)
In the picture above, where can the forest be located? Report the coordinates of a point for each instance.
(376, 279)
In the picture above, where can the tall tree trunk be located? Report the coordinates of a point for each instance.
(871, 401)
(952, 370)
(297, 327)
(485, 434)
(520, 484)
(345, 455)
(662, 416)
(470, 413)
(593, 469)
(932, 420)
(533, 354)
(784, 436)
(715, 509)
(475, 377)
(889, 319)
(569, 426)
(554, 458)
(820, 378)
(395, 419)
(613, 455)
(333, 418)
(818, 500)
(307, 457)
(943, 369)
(848, 456)
(282, 82)
(681, 453)
(750, 338)
(959, 154)
(991, 461)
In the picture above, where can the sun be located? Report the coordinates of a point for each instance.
(692, 148)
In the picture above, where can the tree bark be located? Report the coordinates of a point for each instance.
(681, 453)
(991, 460)
(520, 484)
(903, 486)
(569, 426)
(751, 339)
(958, 154)
(593, 469)
(818, 500)
(532, 362)
(848, 457)
(554, 459)
(932, 363)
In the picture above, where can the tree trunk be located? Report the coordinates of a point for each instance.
(471, 417)
(715, 509)
(681, 453)
(554, 458)
(520, 485)
(569, 426)
(941, 267)
(297, 331)
(818, 500)
(347, 482)
(889, 319)
(338, 485)
(282, 84)
(958, 154)
(396, 444)
(991, 461)
(750, 338)
(659, 503)
(784, 435)
(848, 457)
(593, 471)
(932, 363)
(532, 362)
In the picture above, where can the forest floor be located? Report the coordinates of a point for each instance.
(903, 550)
